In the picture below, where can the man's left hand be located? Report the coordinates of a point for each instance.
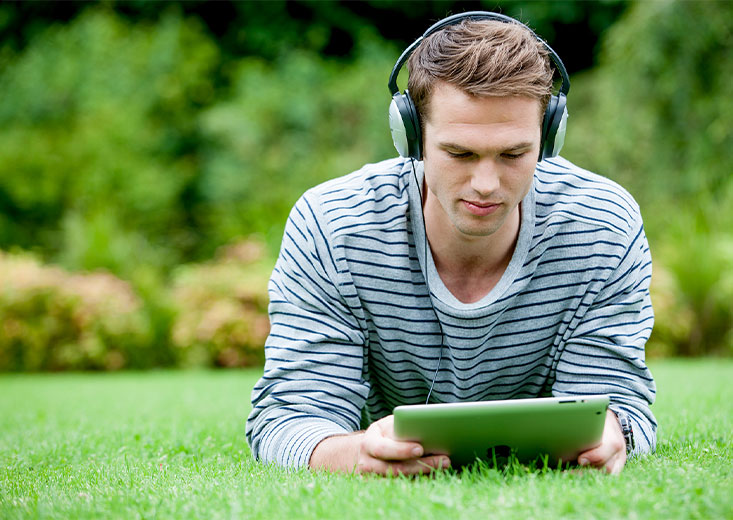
(611, 453)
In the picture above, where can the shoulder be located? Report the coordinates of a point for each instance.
(375, 196)
(567, 193)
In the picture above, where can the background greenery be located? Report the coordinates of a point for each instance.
(171, 445)
(150, 153)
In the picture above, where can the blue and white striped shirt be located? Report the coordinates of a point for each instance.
(355, 332)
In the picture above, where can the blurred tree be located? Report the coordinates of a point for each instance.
(658, 116)
(99, 135)
(330, 27)
(289, 124)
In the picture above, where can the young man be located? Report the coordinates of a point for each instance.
(477, 273)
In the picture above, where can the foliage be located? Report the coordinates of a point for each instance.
(135, 141)
(139, 162)
(663, 101)
(212, 314)
(55, 320)
(95, 160)
(656, 115)
(288, 125)
(695, 261)
(268, 29)
(171, 445)
(221, 317)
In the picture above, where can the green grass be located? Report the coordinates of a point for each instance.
(171, 444)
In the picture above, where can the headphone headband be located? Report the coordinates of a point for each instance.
(475, 15)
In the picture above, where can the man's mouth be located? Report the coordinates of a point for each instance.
(479, 208)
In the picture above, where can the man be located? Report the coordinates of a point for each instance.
(477, 273)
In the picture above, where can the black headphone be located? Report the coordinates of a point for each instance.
(404, 121)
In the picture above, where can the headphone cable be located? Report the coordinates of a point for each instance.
(427, 282)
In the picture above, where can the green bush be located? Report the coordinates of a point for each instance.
(56, 320)
(661, 101)
(212, 314)
(697, 251)
(147, 148)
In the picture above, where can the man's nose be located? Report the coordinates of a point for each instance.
(485, 178)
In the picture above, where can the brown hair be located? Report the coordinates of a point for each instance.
(482, 58)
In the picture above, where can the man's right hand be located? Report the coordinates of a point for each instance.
(375, 451)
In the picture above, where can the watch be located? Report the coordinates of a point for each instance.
(626, 429)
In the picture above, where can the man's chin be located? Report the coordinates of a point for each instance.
(477, 231)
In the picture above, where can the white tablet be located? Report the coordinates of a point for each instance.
(561, 427)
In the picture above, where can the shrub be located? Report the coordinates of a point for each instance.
(222, 308)
(55, 320)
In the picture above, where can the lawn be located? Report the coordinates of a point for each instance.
(171, 445)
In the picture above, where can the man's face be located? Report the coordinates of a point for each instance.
(479, 157)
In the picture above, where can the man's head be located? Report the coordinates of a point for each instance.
(480, 88)
(481, 58)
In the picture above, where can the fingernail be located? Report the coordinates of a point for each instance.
(583, 461)
(417, 451)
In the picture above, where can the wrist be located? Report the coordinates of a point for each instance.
(337, 452)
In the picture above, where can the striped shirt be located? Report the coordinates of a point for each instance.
(355, 328)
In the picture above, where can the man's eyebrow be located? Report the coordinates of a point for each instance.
(511, 148)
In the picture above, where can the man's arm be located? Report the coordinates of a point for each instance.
(313, 385)
(605, 355)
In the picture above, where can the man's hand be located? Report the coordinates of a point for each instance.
(375, 451)
(611, 454)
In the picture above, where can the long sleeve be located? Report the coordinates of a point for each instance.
(312, 385)
(605, 353)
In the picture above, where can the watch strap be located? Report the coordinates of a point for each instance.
(627, 429)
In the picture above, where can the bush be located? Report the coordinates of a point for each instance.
(695, 257)
(55, 320)
(222, 309)
(213, 314)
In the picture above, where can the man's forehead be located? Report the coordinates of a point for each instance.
(449, 103)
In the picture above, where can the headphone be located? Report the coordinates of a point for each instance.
(404, 121)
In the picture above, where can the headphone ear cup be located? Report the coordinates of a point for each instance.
(554, 126)
(405, 126)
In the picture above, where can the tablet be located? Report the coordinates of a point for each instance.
(560, 427)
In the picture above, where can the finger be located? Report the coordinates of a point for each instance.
(616, 464)
(421, 466)
(389, 449)
(379, 442)
(612, 443)
(596, 457)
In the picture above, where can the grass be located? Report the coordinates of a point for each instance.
(171, 445)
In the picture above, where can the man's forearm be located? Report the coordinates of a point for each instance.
(337, 453)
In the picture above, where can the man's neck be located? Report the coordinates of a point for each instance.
(471, 266)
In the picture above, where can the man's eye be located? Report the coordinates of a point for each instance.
(513, 156)
(459, 155)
